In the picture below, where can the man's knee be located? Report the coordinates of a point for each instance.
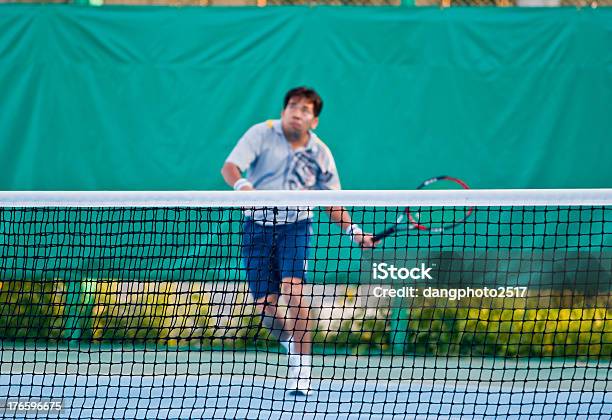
(293, 290)
(292, 286)
(266, 304)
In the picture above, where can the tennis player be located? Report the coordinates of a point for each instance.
(286, 154)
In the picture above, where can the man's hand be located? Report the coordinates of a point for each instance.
(233, 177)
(365, 240)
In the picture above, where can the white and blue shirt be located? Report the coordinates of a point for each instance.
(272, 164)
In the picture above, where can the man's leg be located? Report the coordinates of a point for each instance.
(272, 319)
(300, 361)
(298, 314)
(296, 323)
(258, 252)
(292, 251)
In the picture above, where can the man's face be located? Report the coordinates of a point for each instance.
(298, 117)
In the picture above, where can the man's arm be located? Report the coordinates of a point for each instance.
(232, 175)
(241, 157)
(342, 217)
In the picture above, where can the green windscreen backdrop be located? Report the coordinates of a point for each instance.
(148, 98)
(121, 98)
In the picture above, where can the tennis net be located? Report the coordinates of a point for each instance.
(143, 304)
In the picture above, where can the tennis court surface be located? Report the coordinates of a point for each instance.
(104, 383)
(135, 305)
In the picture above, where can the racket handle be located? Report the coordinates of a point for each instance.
(385, 233)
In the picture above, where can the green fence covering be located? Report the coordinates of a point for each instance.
(148, 98)
(155, 98)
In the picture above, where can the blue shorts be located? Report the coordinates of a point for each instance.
(272, 253)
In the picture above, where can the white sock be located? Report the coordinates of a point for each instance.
(289, 346)
(292, 349)
(286, 345)
(276, 330)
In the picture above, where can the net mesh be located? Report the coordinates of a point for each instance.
(143, 306)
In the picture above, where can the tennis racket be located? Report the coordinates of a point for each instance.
(436, 220)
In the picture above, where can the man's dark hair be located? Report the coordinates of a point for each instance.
(308, 94)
